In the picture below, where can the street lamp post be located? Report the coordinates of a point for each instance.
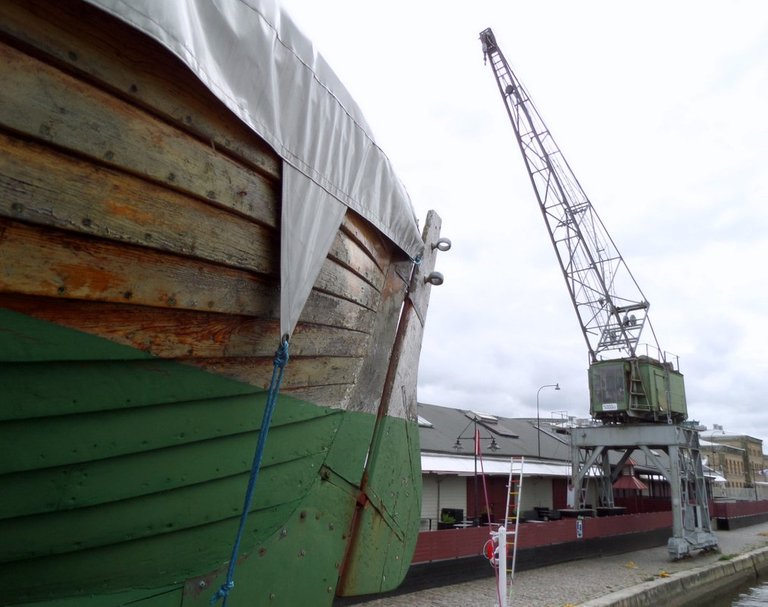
(538, 419)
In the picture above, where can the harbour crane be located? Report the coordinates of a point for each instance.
(639, 395)
(628, 382)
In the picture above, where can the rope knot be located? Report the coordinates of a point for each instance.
(223, 592)
(281, 355)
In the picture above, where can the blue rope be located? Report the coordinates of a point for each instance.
(281, 359)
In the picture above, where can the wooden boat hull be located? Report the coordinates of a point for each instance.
(128, 471)
(139, 312)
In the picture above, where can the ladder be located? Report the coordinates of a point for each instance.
(638, 397)
(507, 533)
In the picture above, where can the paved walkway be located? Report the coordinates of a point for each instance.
(570, 584)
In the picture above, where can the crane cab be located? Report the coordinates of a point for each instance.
(640, 389)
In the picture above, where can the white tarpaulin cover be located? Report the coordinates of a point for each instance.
(303, 236)
(252, 57)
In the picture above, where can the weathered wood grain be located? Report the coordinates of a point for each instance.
(166, 86)
(42, 186)
(393, 459)
(171, 333)
(49, 105)
(399, 397)
(94, 46)
(299, 373)
(34, 261)
(113, 57)
(45, 187)
(334, 395)
(346, 285)
(366, 393)
(370, 239)
(349, 253)
(131, 243)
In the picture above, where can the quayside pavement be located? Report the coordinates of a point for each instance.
(585, 581)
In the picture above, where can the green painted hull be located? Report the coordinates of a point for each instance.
(123, 479)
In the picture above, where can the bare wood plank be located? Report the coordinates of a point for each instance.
(348, 252)
(172, 333)
(34, 261)
(48, 188)
(343, 253)
(399, 399)
(367, 391)
(300, 372)
(370, 239)
(333, 311)
(333, 396)
(86, 41)
(336, 280)
(47, 104)
(39, 185)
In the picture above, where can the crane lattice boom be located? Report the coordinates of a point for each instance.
(610, 306)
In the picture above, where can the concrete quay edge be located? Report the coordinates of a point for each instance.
(687, 586)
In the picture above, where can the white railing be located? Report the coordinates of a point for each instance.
(758, 492)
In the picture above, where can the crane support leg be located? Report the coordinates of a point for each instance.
(680, 465)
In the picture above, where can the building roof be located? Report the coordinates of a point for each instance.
(720, 437)
(441, 427)
(715, 446)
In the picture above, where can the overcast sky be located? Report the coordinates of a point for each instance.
(660, 108)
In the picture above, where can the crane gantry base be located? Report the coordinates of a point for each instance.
(682, 468)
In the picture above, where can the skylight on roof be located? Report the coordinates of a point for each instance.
(425, 423)
(491, 422)
(483, 417)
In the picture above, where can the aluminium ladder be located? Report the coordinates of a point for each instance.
(506, 536)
